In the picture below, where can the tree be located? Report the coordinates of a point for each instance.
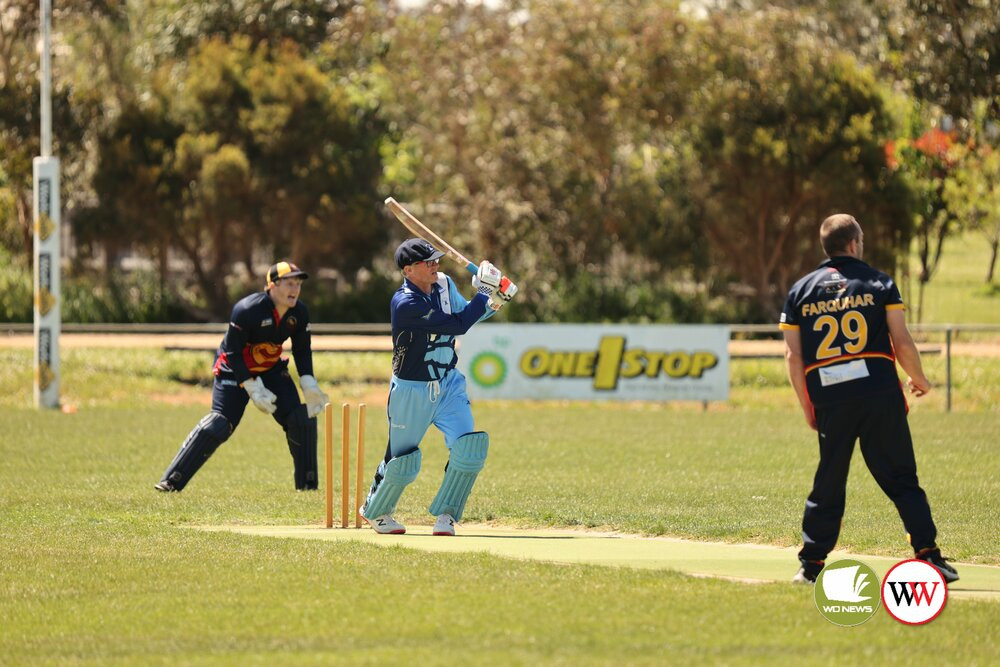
(275, 155)
(924, 160)
(137, 190)
(789, 132)
(541, 141)
(972, 189)
(950, 52)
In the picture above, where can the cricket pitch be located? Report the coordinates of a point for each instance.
(747, 563)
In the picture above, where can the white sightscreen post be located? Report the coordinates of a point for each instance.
(47, 313)
(45, 171)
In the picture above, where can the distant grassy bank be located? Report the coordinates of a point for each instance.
(957, 292)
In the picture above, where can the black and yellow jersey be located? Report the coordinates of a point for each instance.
(840, 312)
(252, 344)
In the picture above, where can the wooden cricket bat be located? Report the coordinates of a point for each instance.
(420, 229)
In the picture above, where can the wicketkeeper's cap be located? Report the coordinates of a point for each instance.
(284, 270)
(412, 251)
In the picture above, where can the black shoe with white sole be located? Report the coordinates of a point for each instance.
(808, 572)
(940, 563)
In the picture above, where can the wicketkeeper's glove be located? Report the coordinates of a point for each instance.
(261, 396)
(316, 400)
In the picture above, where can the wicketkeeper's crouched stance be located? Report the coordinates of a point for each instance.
(249, 367)
(427, 314)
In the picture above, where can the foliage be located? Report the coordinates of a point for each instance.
(924, 158)
(949, 52)
(972, 191)
(790, 132)
(119, 297)
(17, 304)
(363, 301)
(72, 114)
(584, 147)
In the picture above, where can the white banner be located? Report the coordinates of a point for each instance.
(47, 317)
(597, 362)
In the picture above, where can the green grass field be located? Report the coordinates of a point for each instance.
(96, 568)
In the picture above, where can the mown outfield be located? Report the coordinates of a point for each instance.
(97, 568)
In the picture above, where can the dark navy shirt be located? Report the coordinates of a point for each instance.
(424, 327)
(840, 311)
(252, 344)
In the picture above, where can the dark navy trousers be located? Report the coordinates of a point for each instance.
(879, 422)
(230, 399)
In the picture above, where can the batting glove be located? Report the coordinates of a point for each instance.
(261, 396)
(316, 400)
(487, 279)
(503, 294)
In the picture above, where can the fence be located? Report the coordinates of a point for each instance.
(933, 338)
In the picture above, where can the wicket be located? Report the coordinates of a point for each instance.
(345, 469)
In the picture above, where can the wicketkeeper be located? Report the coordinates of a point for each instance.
(427, 313)
(249, 367)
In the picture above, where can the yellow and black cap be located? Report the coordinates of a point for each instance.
(284, 270)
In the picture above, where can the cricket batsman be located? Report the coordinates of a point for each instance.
(427, 314)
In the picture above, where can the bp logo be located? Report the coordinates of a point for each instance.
(847, 592)
(488, 369)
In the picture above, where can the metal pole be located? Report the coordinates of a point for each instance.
(46, 83)
(947, 366)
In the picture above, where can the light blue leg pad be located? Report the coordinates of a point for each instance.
(399, 473)
(468, 455)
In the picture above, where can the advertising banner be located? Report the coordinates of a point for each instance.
(597, 362)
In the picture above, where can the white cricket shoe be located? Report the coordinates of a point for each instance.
(386, 525)
(445, 525)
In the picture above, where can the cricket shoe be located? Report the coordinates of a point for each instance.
(386, 525)
(933, 556)
(445, 525)
(808, 572)
(164, 486)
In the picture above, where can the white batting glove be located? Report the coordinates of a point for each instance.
(261, 396)
(487, 279)
(316, 400)
(503, 294)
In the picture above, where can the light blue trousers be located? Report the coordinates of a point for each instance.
(414, 406)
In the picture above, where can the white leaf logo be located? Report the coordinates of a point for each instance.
(845, 584)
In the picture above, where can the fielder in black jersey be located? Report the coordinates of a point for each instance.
(844, 331)
(249, 367)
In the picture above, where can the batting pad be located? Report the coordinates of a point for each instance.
(399, 473)
(468, 455)
(301, 435)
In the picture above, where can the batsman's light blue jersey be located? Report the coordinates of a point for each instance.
(426, 387)
(424, 327)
